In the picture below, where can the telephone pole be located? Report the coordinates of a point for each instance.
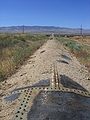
(23, 29)
(81, 30)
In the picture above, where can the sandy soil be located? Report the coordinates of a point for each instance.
(39, 67)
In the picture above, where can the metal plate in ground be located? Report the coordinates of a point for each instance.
(59, 106)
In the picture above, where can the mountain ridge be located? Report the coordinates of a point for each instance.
(43, 29)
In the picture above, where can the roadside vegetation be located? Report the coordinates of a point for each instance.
(15, 49)
(79, 47)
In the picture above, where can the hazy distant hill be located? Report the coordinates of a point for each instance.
(43, 29)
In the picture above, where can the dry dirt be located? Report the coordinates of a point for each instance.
(39, 67)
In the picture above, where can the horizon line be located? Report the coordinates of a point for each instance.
(43, 26)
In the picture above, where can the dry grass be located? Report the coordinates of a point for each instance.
(82, 40)
(80, 47)
(85, 54)
(15, 49)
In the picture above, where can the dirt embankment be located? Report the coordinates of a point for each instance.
(39, 67)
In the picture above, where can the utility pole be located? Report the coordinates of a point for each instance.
(23, 29)
(81, 30)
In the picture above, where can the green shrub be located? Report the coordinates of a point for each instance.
(73, 45)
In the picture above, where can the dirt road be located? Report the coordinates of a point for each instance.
(39, 67)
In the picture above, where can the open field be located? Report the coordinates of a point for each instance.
(15, 49)
(79, 46)
(82, 40)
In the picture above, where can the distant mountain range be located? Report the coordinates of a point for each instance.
(43, 29)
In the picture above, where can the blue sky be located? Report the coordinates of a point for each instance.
(63, 13)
